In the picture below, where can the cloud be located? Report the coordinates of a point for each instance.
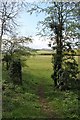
(39, 43)
(30, 1)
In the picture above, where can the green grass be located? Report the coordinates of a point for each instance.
(23, 102)
(42, 52)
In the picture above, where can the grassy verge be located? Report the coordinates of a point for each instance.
(23, 102)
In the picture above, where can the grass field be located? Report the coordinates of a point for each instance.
(37, 97)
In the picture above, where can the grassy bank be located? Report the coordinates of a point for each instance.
(23, 101)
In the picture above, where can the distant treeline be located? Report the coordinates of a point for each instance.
(54, 54)
(45, 54)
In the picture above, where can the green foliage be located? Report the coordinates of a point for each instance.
(15, 71)
(14, 48)
(66, 104)
(7, 59)
(61, 26)
(23, 102)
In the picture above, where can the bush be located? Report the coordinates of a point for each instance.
(15, 71)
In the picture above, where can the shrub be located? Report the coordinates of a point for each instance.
(15, 71)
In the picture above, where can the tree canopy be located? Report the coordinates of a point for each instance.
(61, 26)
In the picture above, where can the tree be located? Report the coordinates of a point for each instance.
(14, 44)
(13, 48)
(9, 10)
(61, 26)
(8, 13)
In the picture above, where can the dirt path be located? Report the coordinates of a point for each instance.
(45, 107)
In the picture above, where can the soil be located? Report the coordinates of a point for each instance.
(45, 107)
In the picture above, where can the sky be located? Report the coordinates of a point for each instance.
(28, 24)
(28, 27)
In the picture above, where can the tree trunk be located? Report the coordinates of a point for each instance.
(79, 64)
(2, 27)
(58, 57)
